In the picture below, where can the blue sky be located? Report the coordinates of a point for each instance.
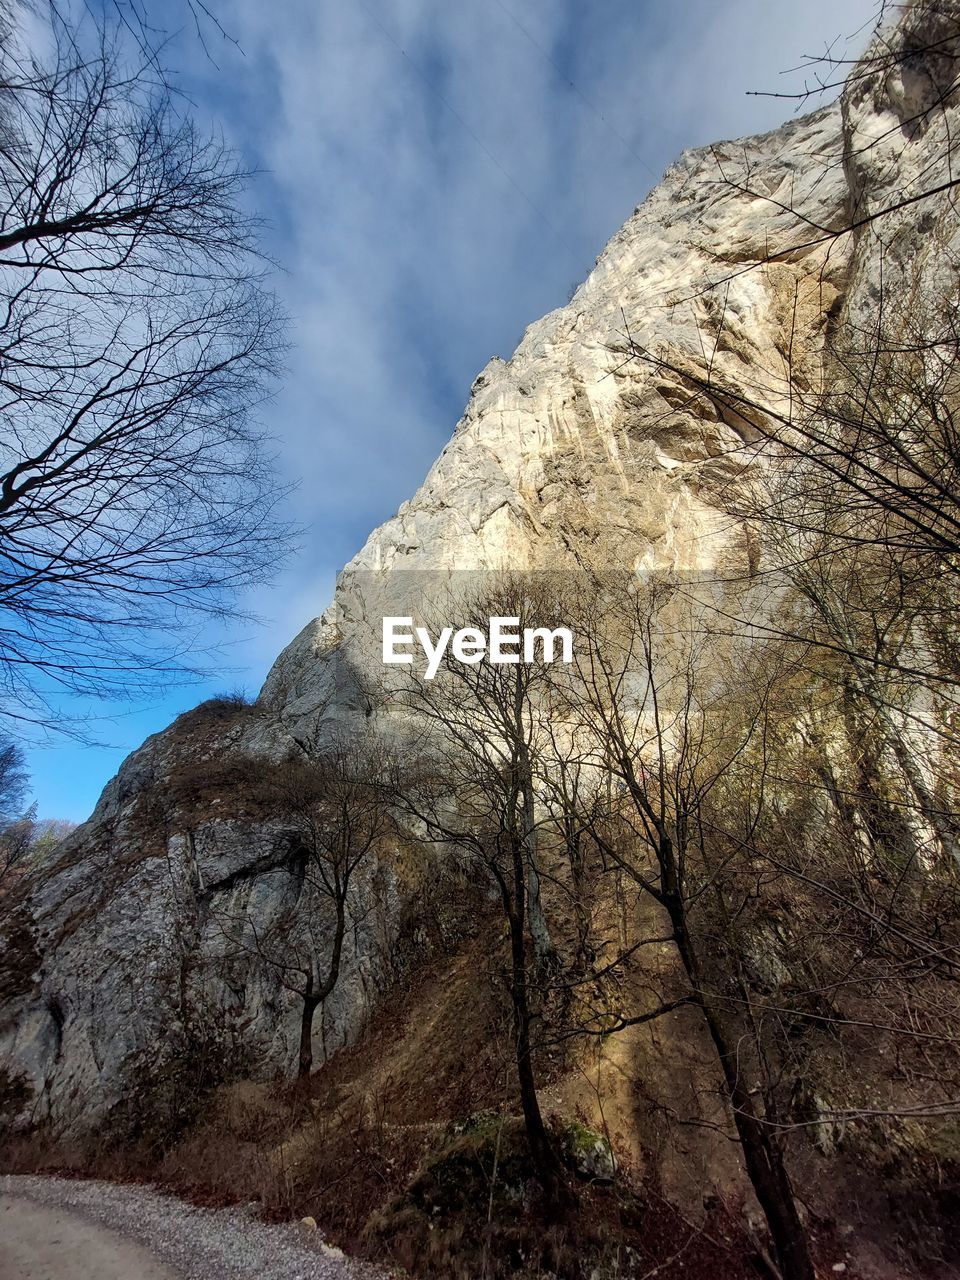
(437, 174)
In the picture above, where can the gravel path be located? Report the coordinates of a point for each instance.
(61, 1229)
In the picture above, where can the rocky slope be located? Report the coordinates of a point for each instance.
(567, 454)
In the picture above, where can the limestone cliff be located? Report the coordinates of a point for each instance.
(567, 454)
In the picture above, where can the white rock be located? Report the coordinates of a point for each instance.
(565, 455)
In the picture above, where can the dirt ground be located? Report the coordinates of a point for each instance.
(42, 1243)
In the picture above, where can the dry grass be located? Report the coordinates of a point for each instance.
(374, 1147)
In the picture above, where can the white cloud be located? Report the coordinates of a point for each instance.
(436, 183)
(442, 183)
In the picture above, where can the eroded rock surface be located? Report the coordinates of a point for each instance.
(568, 454)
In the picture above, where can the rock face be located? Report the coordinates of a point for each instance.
(123, 979)
(568, 454)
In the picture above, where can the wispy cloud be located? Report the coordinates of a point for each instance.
(438, 176)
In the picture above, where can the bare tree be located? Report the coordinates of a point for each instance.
(664, 735)
(14, 780)
(851, 427)
(470, 783)
(761, 809)
(137, 340)
(338, 821)
(916, 45)
(48, 835)
(16, 825)
(850, 488)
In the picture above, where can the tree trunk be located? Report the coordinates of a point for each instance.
(545, 1161)
(314, 997)
(574, 847)
(544, 952)
(762, 1155)
(305, 1061)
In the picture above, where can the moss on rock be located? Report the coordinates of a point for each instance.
(588, 1153)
